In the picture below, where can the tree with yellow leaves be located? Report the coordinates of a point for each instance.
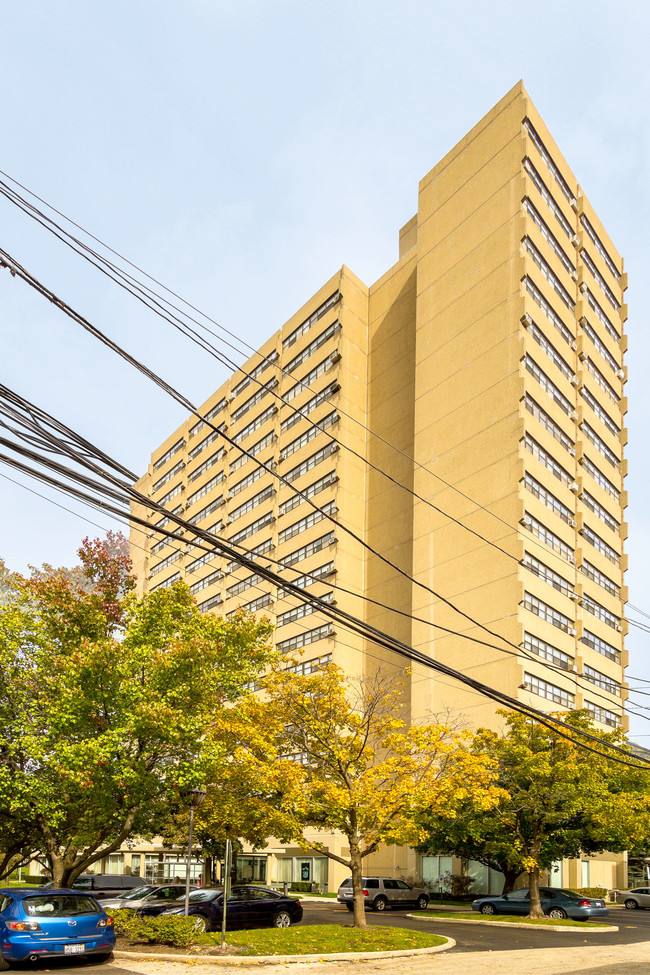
(328, 753)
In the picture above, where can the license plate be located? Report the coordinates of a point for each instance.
(73, 949)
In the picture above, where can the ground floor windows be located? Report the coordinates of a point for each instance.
(251, 869)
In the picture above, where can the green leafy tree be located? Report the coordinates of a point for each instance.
(106, 701)
(324, 753)
(557, 801)
(472, 835)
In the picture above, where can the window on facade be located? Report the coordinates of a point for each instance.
(602, 715)
(548, 613)
(598, 244)
(210, 415)
(310, 549)
(550, 351)
(602, 680)
(308, 323)
(593, 337)
(547, 460)
(600, 314)
(601, 646)
(602, 284)
(210, 439)
(549, 424)
(549, 691)
(602, 513)
(548, 235)
(305, 609)
(311, 519)
(305, 638)
(600, 479)
(253, 502)
(313, 346)
(309, 407)
(254, 605)
(206, 488)
(548, 198)
(166, 478)
(548, 652)
(206, 511)
(206, 465)
(548, 575)
(253, 451)
(252, 529)
(548, 537)
(309, 435)
(548, 386)
(157, 464)
(545, 496)
(600, 544)
(323, 482)
(310, 462)
(208, 580)
(255, 424)
(549, 274)
(253, 400)
(602, 414)
(210, 603)
(253, 374)
(548, 161)
(600, 612)
(548, 310)
(600, 578)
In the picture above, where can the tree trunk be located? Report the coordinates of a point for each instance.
(533, 890)
(356, 865)
(510, 878)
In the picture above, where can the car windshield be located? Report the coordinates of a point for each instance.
(138, 892)
(204, 895)
(64, 905)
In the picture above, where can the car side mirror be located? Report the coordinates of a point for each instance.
(505, 897)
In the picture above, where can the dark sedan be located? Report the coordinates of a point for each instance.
(247, 907)
(556, 903)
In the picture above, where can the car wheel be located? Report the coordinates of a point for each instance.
(557, 913)
(631, 904)
(350, 907)
(380, 904)
(488, 909)
(282, 920)
(422, 902)
(200, 924)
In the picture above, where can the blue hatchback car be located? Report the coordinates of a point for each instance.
(57, 923)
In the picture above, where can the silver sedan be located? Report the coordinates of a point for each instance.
(637, 897)
(140, 897)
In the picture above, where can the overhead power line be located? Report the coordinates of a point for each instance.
(351, 622)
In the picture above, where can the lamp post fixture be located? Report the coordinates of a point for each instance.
(193, 798)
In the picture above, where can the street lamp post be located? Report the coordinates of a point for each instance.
(193, 798)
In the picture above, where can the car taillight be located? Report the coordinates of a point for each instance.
(584, 903)
(23, 926)
(105, 922)
(365, 892)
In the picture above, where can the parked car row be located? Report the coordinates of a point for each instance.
(51, 922)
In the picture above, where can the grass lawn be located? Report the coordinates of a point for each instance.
(322, 939)
(475, 916)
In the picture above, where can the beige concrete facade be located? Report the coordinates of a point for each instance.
(484, 371)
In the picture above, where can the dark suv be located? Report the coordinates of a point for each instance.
(102, 885)
(382, 892)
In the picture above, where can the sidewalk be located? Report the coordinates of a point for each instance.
(606, 960)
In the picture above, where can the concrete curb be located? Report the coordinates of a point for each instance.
(606, 929)
(283, 959)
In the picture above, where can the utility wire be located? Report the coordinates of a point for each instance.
(128, 282)
(379, 638)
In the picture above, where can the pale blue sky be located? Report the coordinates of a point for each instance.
(241, 152)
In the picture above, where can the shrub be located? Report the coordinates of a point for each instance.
(174, 929)
(125, 922)
(601, 892)
(301, 887)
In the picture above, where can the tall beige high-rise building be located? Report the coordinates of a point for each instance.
(484, 372)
